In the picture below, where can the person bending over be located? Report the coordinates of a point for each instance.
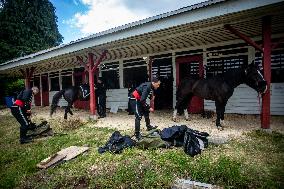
(21, 110)
(139, 105)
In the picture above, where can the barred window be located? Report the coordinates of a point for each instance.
(277, 65)
(66, 78)
(110, 75)
(54, 81)
(134, 72)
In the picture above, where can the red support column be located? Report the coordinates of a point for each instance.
(28, 73)
(266, 32)
(92, 69)
(92, 84)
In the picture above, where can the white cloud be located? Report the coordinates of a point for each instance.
(103, 15)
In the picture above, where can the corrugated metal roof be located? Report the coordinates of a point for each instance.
(187, 27)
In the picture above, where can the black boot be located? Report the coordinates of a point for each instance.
(32, 126)
(26, 140)
(149, 127)
(23, 137)
(137, 129)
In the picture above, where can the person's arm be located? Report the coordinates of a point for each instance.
(27, 98)
(145, 92)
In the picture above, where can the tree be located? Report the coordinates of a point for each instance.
(26, 27)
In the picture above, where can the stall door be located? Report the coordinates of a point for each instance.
(44, 90)
(190, 66)
(162, 68)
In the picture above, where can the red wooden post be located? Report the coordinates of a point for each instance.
(92, 84)
(92, 69)
(28, 73)
(266, 38)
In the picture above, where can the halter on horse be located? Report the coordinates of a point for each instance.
(71, 94)
(218, 88)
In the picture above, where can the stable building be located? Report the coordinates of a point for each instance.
(204, 39)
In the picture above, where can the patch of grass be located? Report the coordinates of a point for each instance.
(255, 161)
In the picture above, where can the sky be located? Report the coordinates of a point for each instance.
(81, 18)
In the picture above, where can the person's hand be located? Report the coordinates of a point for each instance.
(29, 112)
(151, 109)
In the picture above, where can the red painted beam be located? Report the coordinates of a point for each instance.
(80, 60)
(92, 84)
(266, 38)
(102, 56)
(32, 72)
(27, 74)
(243, 36)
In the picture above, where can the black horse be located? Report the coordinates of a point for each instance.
(71, 94)
(218, 88)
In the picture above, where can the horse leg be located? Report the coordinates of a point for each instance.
(69, 108)
(222, 114)
(218, 112)
(65, 112)
(186, 116)
(175, 115)
(187, 102)
(181, 104)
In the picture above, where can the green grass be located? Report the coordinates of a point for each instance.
(255, 161)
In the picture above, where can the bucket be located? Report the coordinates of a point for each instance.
(9, 100)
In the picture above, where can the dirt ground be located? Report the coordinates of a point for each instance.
(235, 125)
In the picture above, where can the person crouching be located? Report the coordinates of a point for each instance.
(21, 110)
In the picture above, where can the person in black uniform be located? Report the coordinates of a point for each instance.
(21, 110)
(101, 98)
(139, 105)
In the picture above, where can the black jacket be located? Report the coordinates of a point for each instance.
(100, 89)
(145, 90)
(26, 96)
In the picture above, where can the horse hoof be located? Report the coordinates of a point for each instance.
(219, 127)
(174, 119)
(187, 119)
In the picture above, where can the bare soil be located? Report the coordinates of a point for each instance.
(235, 124)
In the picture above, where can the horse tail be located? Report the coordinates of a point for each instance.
(55, 101)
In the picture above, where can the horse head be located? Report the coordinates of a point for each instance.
(254, 78)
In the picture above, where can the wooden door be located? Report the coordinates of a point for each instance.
(191, 66)
(44, 90)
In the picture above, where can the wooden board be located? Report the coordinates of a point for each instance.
(63, 155)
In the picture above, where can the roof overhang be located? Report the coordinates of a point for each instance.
(194, 26)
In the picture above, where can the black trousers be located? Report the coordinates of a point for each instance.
(139, 111)
(21, 116)
(101, 102)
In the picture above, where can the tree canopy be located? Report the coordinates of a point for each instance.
(26, 27)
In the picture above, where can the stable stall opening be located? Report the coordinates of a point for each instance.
(191, 66)
(110, 75)
(134, 73)
(162, 68)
